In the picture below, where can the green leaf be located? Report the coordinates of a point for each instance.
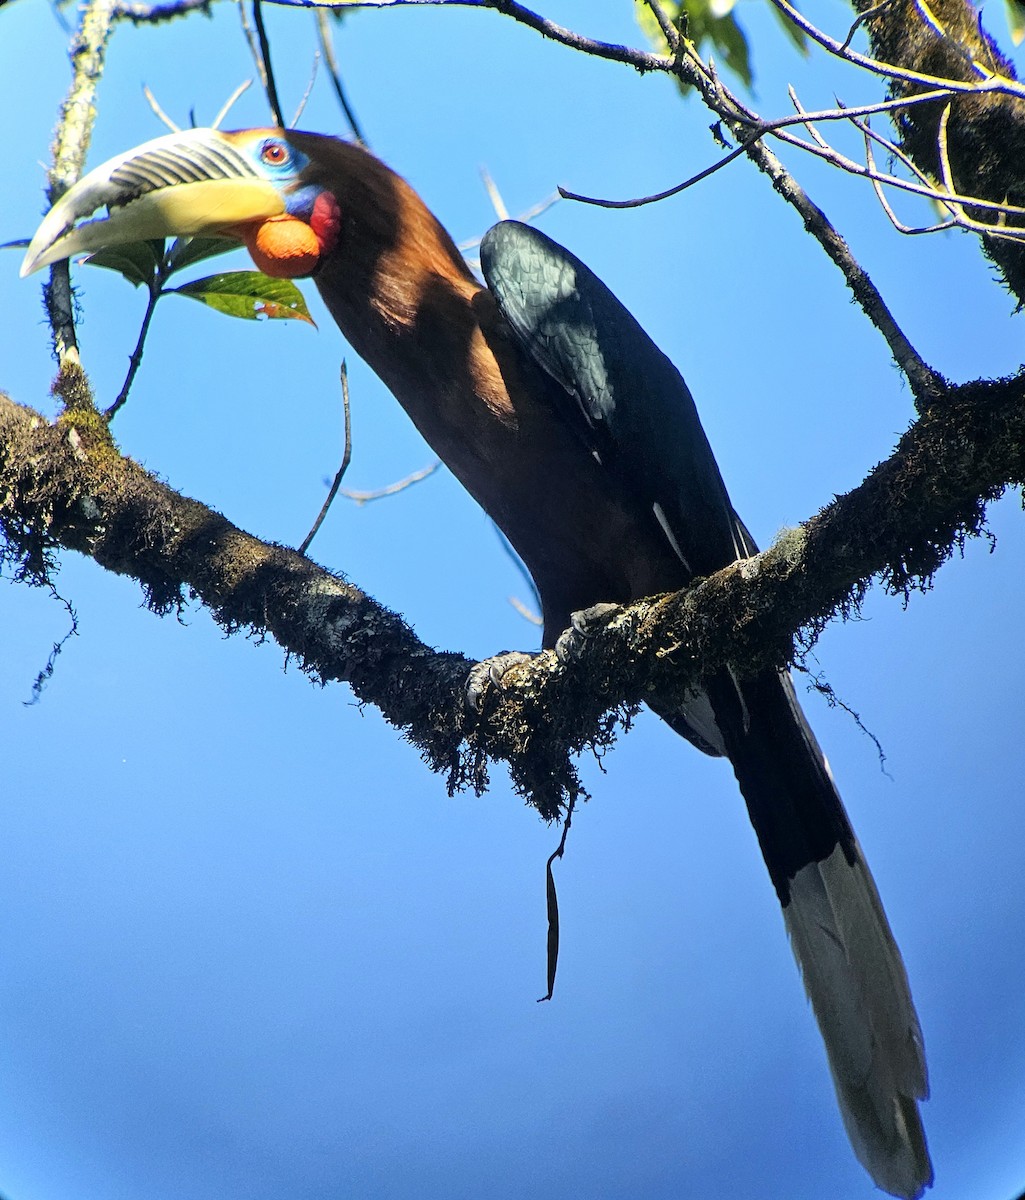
(703, 21)
(138, 262)
(650, 26)
(714, 22)
(1015, 10)
(731, 42)
(796, 34)
(250, 295)
(185, 252)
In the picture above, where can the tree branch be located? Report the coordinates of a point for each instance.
(66, 485)
(985, 133)
(71, 144)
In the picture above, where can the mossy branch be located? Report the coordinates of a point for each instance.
(67, 485)
(984, 136)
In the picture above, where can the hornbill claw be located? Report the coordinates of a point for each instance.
(585, 623)
(491, 672)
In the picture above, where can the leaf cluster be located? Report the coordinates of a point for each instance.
(244, 294)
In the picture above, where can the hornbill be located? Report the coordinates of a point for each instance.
(581, 440)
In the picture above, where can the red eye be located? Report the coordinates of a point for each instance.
(274, 154)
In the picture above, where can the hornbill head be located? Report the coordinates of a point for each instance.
(257, 186)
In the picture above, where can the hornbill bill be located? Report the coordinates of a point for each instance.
(580, 439)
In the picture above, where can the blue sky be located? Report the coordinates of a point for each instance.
(250, 948)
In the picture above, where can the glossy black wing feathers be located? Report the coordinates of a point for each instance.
(636, 410)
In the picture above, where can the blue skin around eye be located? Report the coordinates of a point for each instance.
(283, 172)
(299, 200)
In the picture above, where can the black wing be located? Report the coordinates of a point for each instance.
(632, 403)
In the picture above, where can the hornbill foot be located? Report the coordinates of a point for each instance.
(491, 672)
(584, 624)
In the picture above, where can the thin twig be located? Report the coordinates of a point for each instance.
(346, 456)
(309, 91)
(526, 613)
(990, 82)
(136, 360)
(641, 60)
(925, 382)
(669, 30)
(328, 50)
(813, 133)
(231, 101)
(526, 217)
(891, 149)
(946, 174)
(860, 20)
(494, 195)
(639, 201)
(542, 206)
(393, 488)
(877, 187)
(940, 194)
(271, 85)
(525, 575)
(159, 112)
(253, 43)
(757, 129)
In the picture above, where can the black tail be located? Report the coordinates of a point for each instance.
(850, 963)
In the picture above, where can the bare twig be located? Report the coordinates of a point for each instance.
(328, 50)
(270, 85)
(860, 20)
(924, 381)
(525, 575)
(640, 201)
(526, 216)
(494, 195)
(393, 488)
(669, 30)
(641, 60)
(987, 80)
(229, 104)
(135, 361)
(161, 116)
(254, 45)
(297, 117)
(877, 187)
(540, 207)
(346, 456)
(526, 613)
(929, 191)
(946, 174)
(758, 128)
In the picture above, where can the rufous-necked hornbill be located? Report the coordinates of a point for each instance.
(580, 439)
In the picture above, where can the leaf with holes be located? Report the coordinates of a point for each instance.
(249, 295)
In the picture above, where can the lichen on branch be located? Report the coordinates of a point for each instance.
(66, 485)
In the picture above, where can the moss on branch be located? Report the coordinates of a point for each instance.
(985, 134)
(65, 485)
